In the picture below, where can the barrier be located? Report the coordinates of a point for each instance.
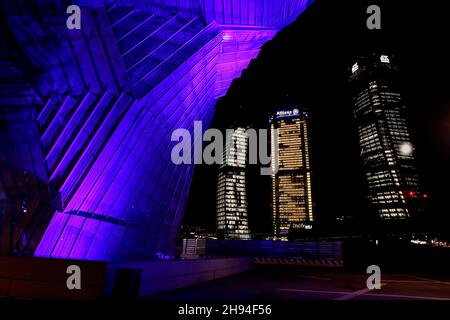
(167, 275)
(300, 262)
(330, 250)
(46, 279)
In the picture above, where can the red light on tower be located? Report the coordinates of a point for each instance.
(411, 194)
(425, 196)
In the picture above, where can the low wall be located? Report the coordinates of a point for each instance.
(46, 279)
(263, 248)
(168, 275)
(42, 278)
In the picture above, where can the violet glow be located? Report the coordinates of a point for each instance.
(113, 92)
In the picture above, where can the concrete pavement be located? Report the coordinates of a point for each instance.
(277, 282)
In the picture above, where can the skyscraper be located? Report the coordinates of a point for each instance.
(232, 220)
(387, 153)
(291, 185)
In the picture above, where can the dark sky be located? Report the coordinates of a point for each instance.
(309, 61)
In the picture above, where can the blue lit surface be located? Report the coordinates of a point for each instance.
(107, 99)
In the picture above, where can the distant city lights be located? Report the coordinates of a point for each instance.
(406, 149)
(384, 59)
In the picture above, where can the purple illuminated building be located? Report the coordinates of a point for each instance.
(87, 116)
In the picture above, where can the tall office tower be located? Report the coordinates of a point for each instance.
(386, 148)
(291, 185)
(232, 220)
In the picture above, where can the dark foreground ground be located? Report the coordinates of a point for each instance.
(279, 282)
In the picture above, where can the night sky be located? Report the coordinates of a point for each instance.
(308, 63)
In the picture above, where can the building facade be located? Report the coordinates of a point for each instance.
(291, 185)
(94, 109)
(232, 222)
(387, 153)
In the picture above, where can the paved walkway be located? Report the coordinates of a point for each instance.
(275, 282)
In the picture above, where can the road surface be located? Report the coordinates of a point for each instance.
(297, 283)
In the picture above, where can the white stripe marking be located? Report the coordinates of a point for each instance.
(356, 293)
(365, 294)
